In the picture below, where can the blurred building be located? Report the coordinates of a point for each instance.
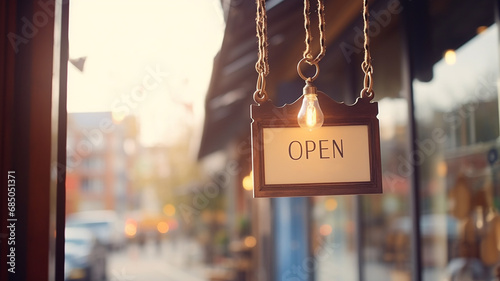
(100, 162)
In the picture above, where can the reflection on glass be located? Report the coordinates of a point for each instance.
(387, 225)
(458, 129)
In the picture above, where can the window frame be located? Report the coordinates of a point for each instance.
(33, 128)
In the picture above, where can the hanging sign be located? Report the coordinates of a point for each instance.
(340, 157)
(303, 150)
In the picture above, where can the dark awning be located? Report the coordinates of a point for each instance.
(234, 77)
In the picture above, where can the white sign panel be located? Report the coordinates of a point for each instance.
(330, 154)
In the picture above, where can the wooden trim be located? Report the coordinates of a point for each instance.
(32, 133)
(363, 112)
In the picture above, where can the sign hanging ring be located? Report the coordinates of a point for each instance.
(260, 95)
(368, 86)
(368, 82)
(315, 64)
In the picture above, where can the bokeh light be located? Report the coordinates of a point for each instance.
(450, 57)
(331, 204)
(162, 227)
(248, 182)
(250, 241)
(325, 229)
(130, 228)
(169, 210)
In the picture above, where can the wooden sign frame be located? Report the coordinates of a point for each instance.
(363, 112)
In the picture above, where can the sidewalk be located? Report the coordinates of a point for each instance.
(167, 261)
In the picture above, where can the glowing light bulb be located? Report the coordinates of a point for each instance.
(310, 115)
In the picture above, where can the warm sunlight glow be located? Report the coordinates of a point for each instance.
(162, 58)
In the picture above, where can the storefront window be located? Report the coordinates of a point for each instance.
(457, 161)
(139, 204)
(386, 222)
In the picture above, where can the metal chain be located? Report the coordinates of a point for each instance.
(307, 26)
(262, 64)
(366, 65)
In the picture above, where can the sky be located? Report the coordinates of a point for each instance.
(149, 58)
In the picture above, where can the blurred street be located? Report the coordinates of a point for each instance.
(165, 261)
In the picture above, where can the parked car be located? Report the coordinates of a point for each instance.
(108, 228)
(84, 257)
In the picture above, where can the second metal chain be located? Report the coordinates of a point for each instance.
(366, 65)
(307, 26)
(307, 55)
(262, 65)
